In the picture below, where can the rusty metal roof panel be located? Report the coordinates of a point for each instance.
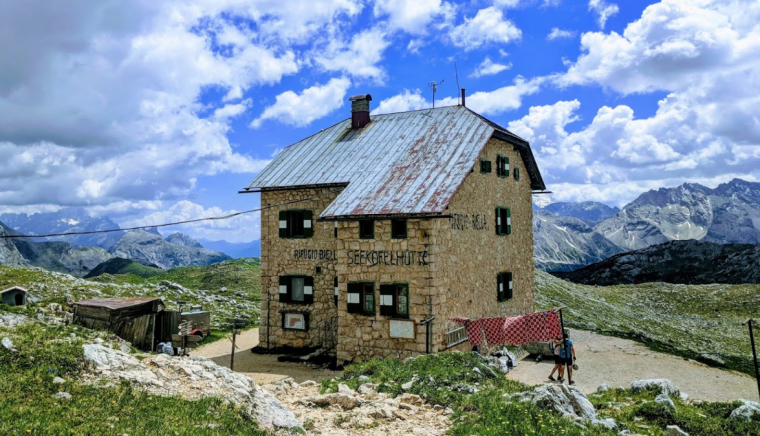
(400, 163)
(116, 303)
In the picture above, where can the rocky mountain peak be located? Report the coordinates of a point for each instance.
(184, 240)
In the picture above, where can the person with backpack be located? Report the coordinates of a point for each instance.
(558, 362)
(567, 356)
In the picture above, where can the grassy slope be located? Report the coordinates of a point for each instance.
(490, 412)
(120, 266)
(240, 277)
(696, 321)
(27, 406)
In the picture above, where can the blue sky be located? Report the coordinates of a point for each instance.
(150, 113)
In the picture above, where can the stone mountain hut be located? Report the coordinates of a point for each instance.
(377, 230)
(15, 296)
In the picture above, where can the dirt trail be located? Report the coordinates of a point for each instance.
(618, 362)
(262, 368)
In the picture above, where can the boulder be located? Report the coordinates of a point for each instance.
(603, 388)
(666, 386)
(344, 389)
(564, 399)
(62, 396)
(58, 381)
(746, 411)
(674, 430)
(7, 343)
(346, 402)
(665, 399)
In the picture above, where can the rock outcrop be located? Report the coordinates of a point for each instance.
(150, 248)
(190, 377)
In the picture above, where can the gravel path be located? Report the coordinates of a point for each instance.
(262, 368)
(618, 362)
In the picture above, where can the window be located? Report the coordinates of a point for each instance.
(296, 289)
(504, 286)
(361, 298)
(295, 224)
(503, 221)
(485, 166)
(398, 229)
(336, 229)
(335, 283)
(502, 166)
(394, 300)
(366, 229)
(517, 173)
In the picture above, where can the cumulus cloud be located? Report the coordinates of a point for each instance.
(486, 27)
(558, 33)
(358, 57)
(313, 103)
(603, 9)
(406, 101)
(412, 16)
(499, 100)
(241, 228)
(489, 68)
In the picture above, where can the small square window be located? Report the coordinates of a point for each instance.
(366, 229)
(394, 300)
(485, 166)
(318, 270)
(398, 229)
(295, 224)
(360, 298)
(296, 289)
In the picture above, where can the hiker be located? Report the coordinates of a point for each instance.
(557, 360)
(567, 356)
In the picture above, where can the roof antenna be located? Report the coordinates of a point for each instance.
(456, 73)
(435, 88)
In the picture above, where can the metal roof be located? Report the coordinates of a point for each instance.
(14, 288)
(116, 303)
(400, 163)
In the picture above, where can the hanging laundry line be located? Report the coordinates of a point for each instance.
(512, 330)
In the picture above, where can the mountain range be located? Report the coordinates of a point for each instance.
(730, 213)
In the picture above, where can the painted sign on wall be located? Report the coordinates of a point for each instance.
(396, 258)
(315, 254)
(463, 221)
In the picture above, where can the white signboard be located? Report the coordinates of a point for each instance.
(402, 329)
(294, 321)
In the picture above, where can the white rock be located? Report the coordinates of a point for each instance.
(62, 396)
(563, 399)
(308, 383)
(674, 430)
(665, 399)
(345, 390)
(7, 343)
(59, 381)
(667, 387)
(746, 411)
(603, 388)
(609, 423)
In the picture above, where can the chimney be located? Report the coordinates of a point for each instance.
(464, 105)
(360, 110)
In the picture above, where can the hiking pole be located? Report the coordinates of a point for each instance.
(564, 345)
(754, 353)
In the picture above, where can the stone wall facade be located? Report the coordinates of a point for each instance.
(450, 264)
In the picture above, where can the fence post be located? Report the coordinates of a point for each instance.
(754, 353)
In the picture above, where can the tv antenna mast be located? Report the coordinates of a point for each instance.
(434, 85)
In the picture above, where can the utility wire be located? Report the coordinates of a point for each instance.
(216, 218)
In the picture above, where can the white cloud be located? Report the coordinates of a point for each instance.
(232, 110)
(406, 101)
(507, 4)
(411, 16)
(241, 228)
(558, 33)
(358, 58)
(603, 9)
(499, 100)
(489, 68)
(488, 26)
(313, 103)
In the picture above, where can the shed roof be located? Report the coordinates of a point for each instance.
(116, 303)
(401, 163)
(14, 288)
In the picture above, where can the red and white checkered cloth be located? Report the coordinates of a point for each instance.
(513, 330)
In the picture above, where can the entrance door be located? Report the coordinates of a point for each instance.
(19, 299)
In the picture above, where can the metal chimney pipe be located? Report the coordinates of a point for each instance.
(463, 104)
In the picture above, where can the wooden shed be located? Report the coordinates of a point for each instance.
(137, 320)
(15, 296)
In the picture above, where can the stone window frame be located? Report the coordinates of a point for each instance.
(399, 235)
(365, 225)
(285, 217)
(485, 166)
(504, 286)
(503, 216)
(502, 166)
(390, 292)
(360, 288)
(286, 282)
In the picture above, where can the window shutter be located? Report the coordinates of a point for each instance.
(283, 224)
(499, 287)
(335, 283)
(284, 289)
(307, 226)
(509, 221)
(353, 298)
(488, 166)
(308, 290)
(508, 291)
(499, 165)
(506, 167)
(497, 221)
(386, 300)
(517, 173)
